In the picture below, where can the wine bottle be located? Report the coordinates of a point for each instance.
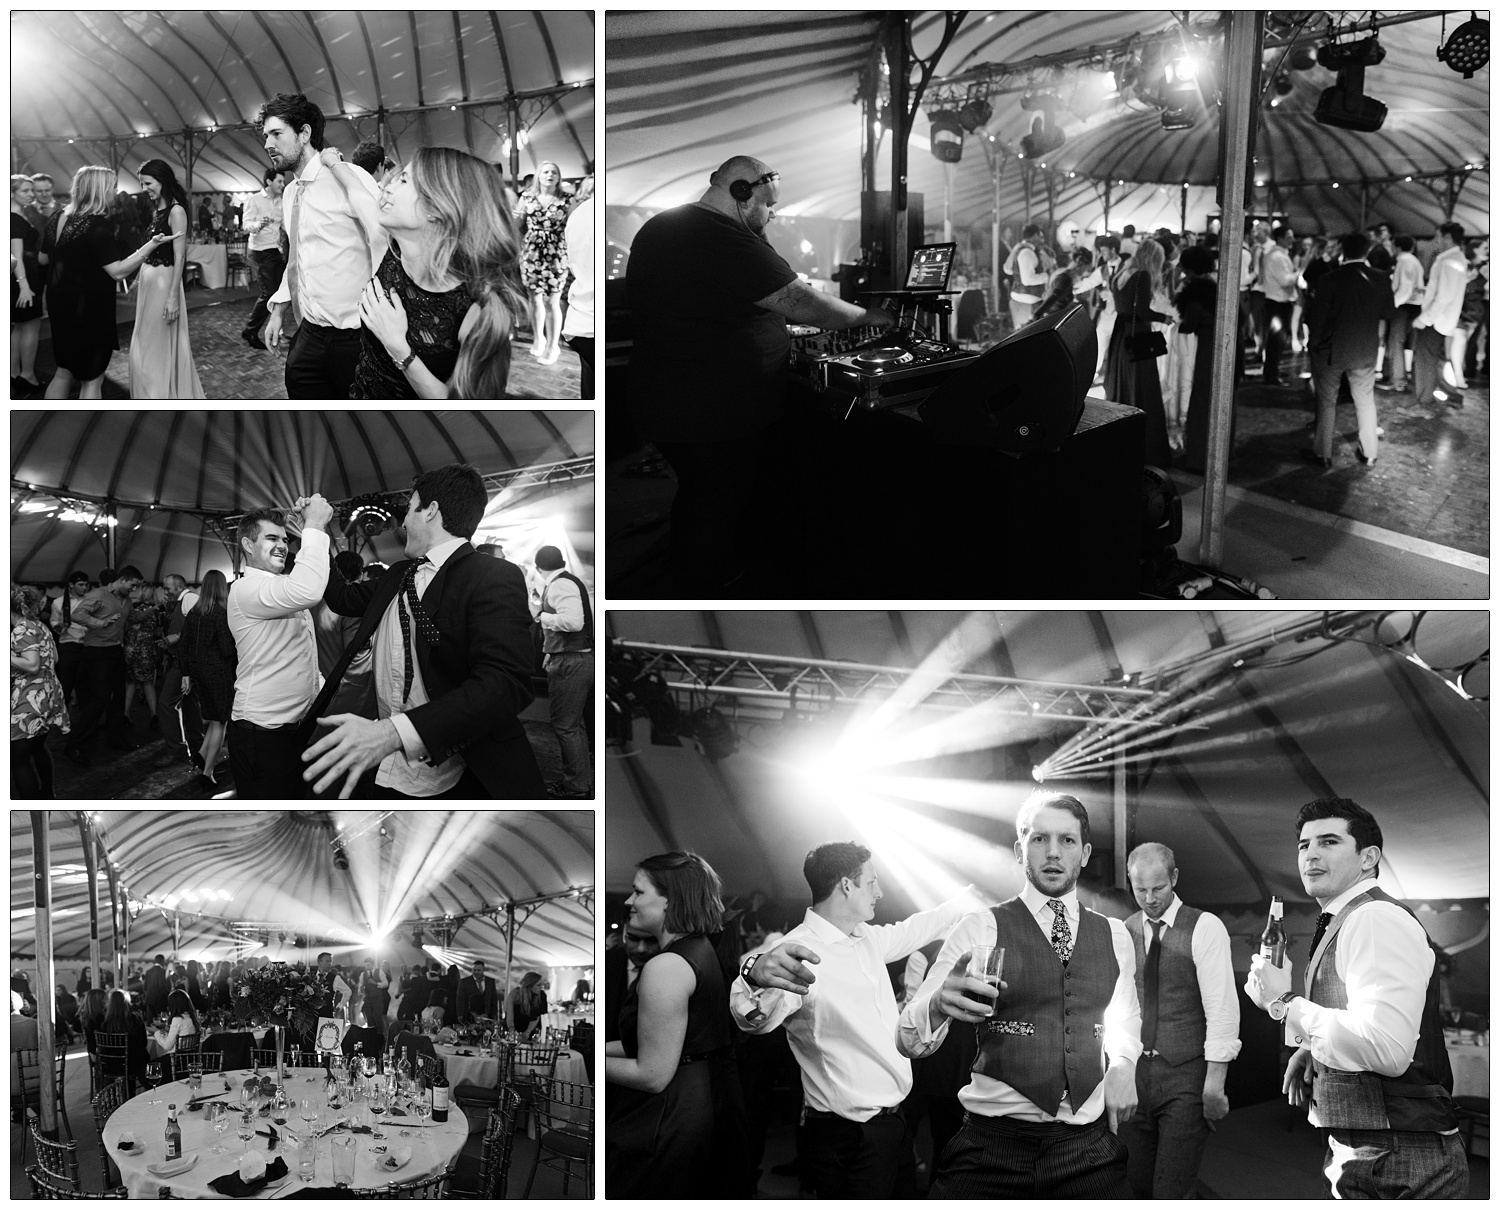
(1273, 940)
(174, 1134)
(440, 1098)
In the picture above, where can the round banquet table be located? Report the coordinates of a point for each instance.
(557, 1019)
(215, 261)
(483, 1070)
(434, 1146)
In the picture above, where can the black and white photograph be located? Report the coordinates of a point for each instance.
(1038, 904)
(285, 605)
(304, 1004)
(377, 204)
(904, 304)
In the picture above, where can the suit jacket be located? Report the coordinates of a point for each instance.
(154, 989)
(478, 677)
(472, 1000)
(1343, 319)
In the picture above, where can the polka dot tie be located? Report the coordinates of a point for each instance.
(1062, 935)
(1324, 920)
(425, 625)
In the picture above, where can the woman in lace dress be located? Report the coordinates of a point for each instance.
(438, 314)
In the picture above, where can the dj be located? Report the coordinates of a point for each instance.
(710, 300)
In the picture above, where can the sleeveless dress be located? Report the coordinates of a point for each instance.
(161, 357)
(545, 254)
(432, 324)
(81, 295)
(31, 241)
(662, 1144)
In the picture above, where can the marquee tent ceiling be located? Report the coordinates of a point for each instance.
(1305, 720)
(687, 89)
(234, 461)
(277, 868)
(89, 75)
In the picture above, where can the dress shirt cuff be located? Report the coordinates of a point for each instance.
(1302, 1020)
(1221, 1052)
(412, 746)
(930, 1036)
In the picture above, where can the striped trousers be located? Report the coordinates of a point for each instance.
(1001, 1157)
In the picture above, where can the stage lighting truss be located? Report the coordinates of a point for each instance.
(1452, 645)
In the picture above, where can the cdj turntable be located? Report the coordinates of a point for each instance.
(879, 368)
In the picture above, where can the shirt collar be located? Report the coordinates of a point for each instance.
(1341, 901)
(310, 172)
(552, 575)
(1037, 902)
(1169, 917)
(825, 930)
(444, 551)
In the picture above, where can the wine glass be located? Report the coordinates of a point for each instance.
(153, 1077)
(247, 1128)
(421, 1108)
(309, 1113)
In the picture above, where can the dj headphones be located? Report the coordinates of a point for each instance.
(743, 191)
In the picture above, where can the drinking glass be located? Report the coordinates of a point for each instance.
(986, 962)
(153, 1077)
(343, 1159)
(307, 1158)
(246, 1128)
(218, 1115)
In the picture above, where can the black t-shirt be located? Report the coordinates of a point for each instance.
(707, 363)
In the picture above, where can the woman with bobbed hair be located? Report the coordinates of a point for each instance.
(437, 316)
(668, 1072)
(80, 246)
(161, 357)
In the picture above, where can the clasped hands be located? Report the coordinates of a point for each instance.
(315, 513)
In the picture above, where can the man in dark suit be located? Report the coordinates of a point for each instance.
(154, 986)
(1343, 324)
(477, 995)
(452, 641)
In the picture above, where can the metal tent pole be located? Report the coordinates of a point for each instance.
(91, 871)
(41, 864)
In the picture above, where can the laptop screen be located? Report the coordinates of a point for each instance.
(930, 267)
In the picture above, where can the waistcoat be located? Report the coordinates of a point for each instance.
(554, 641)
(1181, 1026)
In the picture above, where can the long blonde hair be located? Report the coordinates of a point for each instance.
(1151, 260)
(93, 190)
(477, 244)
(535, 188)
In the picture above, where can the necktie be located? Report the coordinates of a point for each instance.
(1323, 921)
(425, 625)
(294, 285)
(1149, 1001)
(1062, 935)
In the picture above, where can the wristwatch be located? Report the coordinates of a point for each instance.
(746, 967)
(1279, 1007)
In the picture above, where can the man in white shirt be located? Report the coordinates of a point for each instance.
(1441, 308)
(1409, 283)
(561, 606)
(263, 222)
(1278, 278)
(331, 256)
(1255, 296)
(1032, 270)
(1190, 1027)
(1370, 1062)
(451, 632)
(276, 677)
(1058, 1040)
(841, 1023)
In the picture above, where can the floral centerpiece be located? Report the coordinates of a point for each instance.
(279, 996)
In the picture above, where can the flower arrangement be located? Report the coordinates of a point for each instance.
(278, 995)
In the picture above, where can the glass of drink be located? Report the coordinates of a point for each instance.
(986, 962)
(343, 1159)
(218, 1115)
(246, 1129)
(153, 1077)
(307, 1157)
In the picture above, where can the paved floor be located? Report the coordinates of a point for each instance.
(230, 369)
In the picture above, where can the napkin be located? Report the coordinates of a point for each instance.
(232, 1186)
(395, 1158)
(172, 1167)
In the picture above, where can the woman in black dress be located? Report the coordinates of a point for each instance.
(207, 657)
(80, 247)
(1137, 384)
(438, 314)
(26, 280)
(1196, 303)
(666, 1070)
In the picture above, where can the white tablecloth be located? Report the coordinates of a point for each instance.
(1471, 1069)
(484, 1070)
(434, 1146)
(215, 261)
(557, 1019)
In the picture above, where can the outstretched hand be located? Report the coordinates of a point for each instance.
(354, 745)
(963, 997)
(782, 968)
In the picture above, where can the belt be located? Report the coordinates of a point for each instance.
(245, 722)
(825, 1114)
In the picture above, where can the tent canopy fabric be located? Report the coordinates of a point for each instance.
(402, 77)
(277, 870)
(234, 461)
(688, 89)
(1300, 720)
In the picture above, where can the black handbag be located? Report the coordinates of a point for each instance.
(1143, 346)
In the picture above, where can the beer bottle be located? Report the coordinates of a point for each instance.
(1273, 940)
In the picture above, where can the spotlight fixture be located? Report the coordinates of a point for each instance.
(975, 114)
(1468, 49)
(714, 734)
(1345, 104)
(418, 937)
(1302, 58)
(947, 135)
(1045, 137)
(340, 858)
(1284, 83)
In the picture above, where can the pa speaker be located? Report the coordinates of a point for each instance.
(1025, 394)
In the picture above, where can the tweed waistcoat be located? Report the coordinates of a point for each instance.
(555, 641)
(1181, 1027)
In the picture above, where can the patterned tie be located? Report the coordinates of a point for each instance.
(293, 285)
(1062, 935)
(1149, 1005)
(425, 625)
(1323, 921)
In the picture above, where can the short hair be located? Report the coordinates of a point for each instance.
(1454, 231)
(1151, 850)
(1197, 259)
(828, 863)
(296, 111)
(349, 563)
(1404, 243)
(1129, 230)
(172, 575)
(325, 954)
(1040, 799)
(694, 894)
(129, 573)
(1107, 241)
(1281, 229)
(369, 155)
(1382, 226)
(107, 575)
(1362, 825)
(268, 174)
(249, 526)
(1354, 245)
(458, 490)
(40, 176)
(374, 569)
(549, 558)
(1031, 231)
(76, 575)
(493, 549)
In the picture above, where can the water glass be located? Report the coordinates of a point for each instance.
(307, 1157)
(343, 1159)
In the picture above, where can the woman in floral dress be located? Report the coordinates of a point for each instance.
(142, 647)
(545, 209)
(36, 697)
